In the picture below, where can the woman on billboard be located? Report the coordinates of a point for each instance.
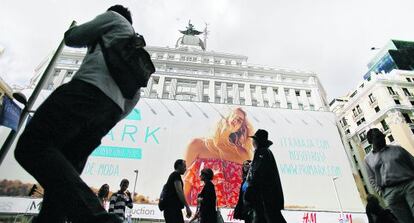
(224, 153)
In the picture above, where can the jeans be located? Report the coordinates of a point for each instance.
(400, 199)
(55, 146)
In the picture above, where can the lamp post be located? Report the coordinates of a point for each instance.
(337, 198)
(135, 184)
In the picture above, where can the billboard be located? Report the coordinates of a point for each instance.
(307, 148)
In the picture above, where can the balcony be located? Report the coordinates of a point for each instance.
(395, 95)
(373, 103)
(357, 116)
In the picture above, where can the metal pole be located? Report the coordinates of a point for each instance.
(28, 107)
(337, 198)
(135, 184)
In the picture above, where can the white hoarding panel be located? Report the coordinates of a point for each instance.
(307, 148)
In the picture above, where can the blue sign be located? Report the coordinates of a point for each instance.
(10, 113)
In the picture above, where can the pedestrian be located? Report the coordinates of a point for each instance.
(390, 170)
(103, 195)
(174, 195)
(206, 211)
(120, 200)
(376, 213)
(241, 210)
(264, 192)
(71, 122)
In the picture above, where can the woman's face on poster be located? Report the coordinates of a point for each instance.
(236, 120)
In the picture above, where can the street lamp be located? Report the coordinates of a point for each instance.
(135, 184)
(337, 198)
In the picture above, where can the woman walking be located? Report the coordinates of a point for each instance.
(206, 210)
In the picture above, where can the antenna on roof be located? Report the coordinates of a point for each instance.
(206, 32)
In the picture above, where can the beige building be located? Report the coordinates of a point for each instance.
(189, 72)
(386, 102)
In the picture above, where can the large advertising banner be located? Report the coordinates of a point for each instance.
(306, 145)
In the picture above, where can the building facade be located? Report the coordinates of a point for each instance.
(188, 72)
(384, 101)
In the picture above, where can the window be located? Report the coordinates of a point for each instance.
(276, 104)
(350, 146)
(242, 101)
(355, 112)
(275, 91)
(377, 109)
(407, 117)
(359, 122)
(347, 131)
(254, 102)
(408, 79)
(397, 102)
(160, 56)
(360, 173)
(355, 159)
(308, 94)
(312, 107)
(371, 98)
(171, 57)
(391, 138)
(205, 98)
(300, 106)
(297, 92)
(391, 91)
(206, 60)
(57, 72)
(344, 122)
(358, 109)
(412, 102)
(69, 73)
(362, 136)
(368, 148)
(286, 91)
(406, 92)
(384, 125)
(289, 105)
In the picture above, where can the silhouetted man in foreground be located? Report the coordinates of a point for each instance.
(174, 195)
(71, 122)
(264, 194)
(391, 172)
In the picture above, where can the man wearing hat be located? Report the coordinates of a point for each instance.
(390, 171)
(264, 194)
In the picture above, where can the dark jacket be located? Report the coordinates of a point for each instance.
(241, 210)
(264, 182)
(208, 212)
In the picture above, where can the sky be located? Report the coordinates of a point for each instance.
(332, 38)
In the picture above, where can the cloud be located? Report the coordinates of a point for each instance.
(331, 38)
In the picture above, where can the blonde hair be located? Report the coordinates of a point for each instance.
(239, 140)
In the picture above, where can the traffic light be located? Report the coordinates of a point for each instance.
(33, 190)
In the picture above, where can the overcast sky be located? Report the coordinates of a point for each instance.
(329, 37)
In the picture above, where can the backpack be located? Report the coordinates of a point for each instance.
(162, 203)
(128, 63)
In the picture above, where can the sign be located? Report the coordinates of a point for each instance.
(306, 145)
(10, 114)
(14, 205)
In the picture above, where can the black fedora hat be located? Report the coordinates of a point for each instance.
(261, 136)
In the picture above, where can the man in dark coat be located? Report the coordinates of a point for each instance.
(264, 192)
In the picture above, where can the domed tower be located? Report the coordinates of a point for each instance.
(190, 39)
